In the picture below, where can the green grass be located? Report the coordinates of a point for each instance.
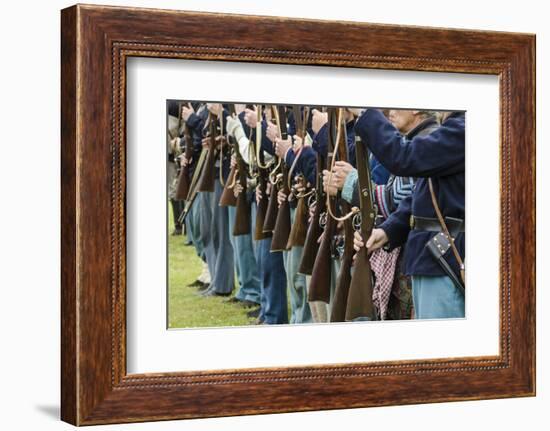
(186, 308)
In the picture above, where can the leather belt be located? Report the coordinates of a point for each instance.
(455, 225)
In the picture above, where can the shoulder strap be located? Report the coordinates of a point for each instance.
(446, 230)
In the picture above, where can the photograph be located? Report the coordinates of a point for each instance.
(305, 214)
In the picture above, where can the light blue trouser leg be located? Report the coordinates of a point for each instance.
(296, 283)
(245, 262)
(231, 211)
(204, 232)
(273, 284)
(223, 275)
(192, 223)
(436, 297)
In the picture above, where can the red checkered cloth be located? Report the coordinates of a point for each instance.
(383, 264)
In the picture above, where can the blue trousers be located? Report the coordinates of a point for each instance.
(192, 226)
(296, 283)
(245, 262)
(436, 298)
(273, 302)
(219, 253)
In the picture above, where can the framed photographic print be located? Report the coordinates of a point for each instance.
(258, 224)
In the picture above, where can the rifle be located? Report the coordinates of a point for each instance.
(193, 189)
(281, 231)
(182, 189)
(242, 214)
(343, 280)
(272, 206)
(319, 287)
(208, 176)
(298, 230)
(359, 304)
(262, 176)
(228, 198)
(315, 229)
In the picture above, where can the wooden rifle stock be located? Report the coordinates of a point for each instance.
(343, 280)
(281, 230)
(208, 176)
(319, 287)
(228, 198)
(359, 304)
(298, 231)
(271, 210)
(314, 230)
(242, 215)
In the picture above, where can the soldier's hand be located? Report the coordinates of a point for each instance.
(300, 186)
(250, 118)
(311, 211)
(215, 108)
(298, 142)
(282, 146)
(220, 140)
(272, 132)
(320, 239)
(281, 197)
(318, 120)
(340, 173)
(331, 189)
(258, 195)
(186, 112)
(175, 145)
(357, 241)
(377, 239)
(233, 160)
(237, 189)
(184, 161)
(239, 107)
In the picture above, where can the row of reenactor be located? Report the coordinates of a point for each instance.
(345, 214)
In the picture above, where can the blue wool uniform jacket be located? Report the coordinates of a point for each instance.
(378, 173)
(320, 141)
(196, 124)
(440, 155)
(306, 164)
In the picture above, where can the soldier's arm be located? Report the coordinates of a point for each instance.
(437, 154)
(397, 225)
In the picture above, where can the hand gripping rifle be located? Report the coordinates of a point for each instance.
(208, 175)
(319, 287)
(184, 179)
(359, 303)
(343, 280)
(315, 229)
(274, 177)
(298, 230)
(281, 231)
